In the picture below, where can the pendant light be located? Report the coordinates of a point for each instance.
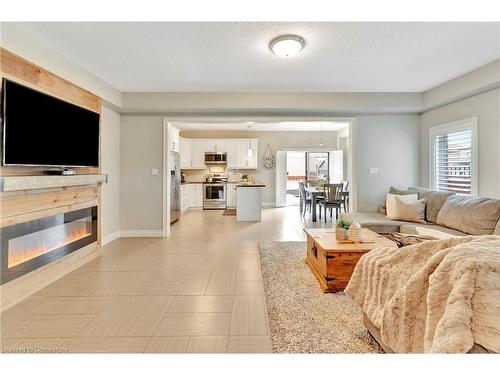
(250, 151)
(249, 145)
(321, 144)
(321, 136)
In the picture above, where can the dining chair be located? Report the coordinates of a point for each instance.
(305, 200)
(316, 199)
(332, 199)
(345, 196)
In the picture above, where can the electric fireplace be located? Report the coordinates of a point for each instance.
(28, 246)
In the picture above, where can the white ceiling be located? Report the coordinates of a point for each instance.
(221, 56)
(262, 126)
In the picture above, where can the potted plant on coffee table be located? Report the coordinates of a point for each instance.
(342, 228)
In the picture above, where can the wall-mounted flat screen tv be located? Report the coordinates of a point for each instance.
(41, 130)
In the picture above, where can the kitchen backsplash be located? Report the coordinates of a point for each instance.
(198, 175)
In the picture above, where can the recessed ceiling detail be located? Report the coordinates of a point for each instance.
(235, 56)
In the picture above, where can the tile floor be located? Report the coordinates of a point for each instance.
(198, 291)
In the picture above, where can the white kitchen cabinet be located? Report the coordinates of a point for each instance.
(193, 152)
(199, 147)
(174, 139)
(243, 160)
(249, 203)
(185, 149)
(219, 145)
(228, 146)
(197, 196)
(191, 196)
(186, 197)
(231, 195)
(241, 146)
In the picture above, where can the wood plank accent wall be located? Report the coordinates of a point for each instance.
(19, 207)
(22, 71)
(19, 70)
(26, 205)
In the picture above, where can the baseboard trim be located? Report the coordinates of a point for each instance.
(110, 237)
(268, 204)
(141, 233)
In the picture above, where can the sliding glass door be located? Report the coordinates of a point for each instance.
(317, 167)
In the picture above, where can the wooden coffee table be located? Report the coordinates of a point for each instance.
(332, 261)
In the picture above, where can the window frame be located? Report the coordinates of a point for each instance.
(455, 126)
(327, 159)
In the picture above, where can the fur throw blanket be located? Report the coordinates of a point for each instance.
(433, 297)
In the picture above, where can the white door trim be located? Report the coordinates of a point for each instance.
(351, 165)
(281, 178)
(351, 161)
(165, 180)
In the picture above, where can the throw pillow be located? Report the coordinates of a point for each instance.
(435, 201)
(391, 202)
(408, 211)
(382, 209)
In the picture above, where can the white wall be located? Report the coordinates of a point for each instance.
(110, 164)
(486, 107)
(141, 195)
(277, 141)
(28, 46)
(471, 83)
(389, 143)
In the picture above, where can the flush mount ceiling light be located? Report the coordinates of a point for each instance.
(287, 46)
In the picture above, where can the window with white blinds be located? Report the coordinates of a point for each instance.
(453, 154)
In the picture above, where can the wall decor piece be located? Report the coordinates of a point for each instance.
(269, 162)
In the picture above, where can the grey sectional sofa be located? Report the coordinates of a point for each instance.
(446, 212)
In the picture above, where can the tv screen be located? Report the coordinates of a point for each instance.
(39, 129)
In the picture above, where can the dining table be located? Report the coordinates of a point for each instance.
(316, 193)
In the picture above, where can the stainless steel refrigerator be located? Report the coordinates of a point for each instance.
(175, 185)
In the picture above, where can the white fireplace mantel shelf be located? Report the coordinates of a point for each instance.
(16, 183)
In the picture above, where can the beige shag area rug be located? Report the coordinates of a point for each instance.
(303, 319)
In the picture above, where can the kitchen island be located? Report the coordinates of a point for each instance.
(249, 201)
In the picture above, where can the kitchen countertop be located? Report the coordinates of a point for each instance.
(249, 184)
(237, 183)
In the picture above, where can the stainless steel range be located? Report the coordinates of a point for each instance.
(215, 192)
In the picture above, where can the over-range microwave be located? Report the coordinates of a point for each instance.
(215, 158)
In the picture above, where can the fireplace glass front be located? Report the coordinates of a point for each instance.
(28, 246)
